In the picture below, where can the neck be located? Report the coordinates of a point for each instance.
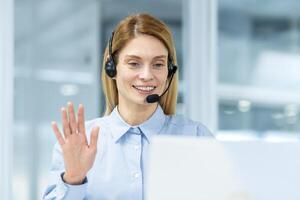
(136, 114)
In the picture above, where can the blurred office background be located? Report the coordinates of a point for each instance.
(239, 67)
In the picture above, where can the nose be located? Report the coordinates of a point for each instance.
(146, 73)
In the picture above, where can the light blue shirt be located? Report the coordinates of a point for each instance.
(121, 162)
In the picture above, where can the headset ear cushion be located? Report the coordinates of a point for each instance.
(171, 69)
(110, 68)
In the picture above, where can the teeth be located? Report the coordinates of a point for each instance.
(145, 88)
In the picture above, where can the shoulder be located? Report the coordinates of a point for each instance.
(186, 126)
(180, 120)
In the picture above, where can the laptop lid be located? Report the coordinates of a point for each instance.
(195, 168)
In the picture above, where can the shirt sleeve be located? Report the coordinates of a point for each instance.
(57, 189)
(204, 131)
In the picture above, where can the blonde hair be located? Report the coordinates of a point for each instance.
(126, 30)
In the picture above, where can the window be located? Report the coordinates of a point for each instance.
(259, 67)
(56, 61)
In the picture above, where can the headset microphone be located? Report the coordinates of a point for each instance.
(152, 98)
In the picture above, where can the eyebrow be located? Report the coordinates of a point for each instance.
(138, 57)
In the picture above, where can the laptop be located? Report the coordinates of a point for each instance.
(183, 168)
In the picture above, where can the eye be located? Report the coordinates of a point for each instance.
(159, 65)
(133, 64)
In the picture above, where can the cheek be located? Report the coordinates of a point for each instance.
(124, 81)
(163, 78)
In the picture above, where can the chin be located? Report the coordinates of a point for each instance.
(142, 102)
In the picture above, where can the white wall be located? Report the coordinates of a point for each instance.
(6, 96)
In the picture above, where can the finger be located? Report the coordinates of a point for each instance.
(72, 118)
(94, 137)
(81, 121)
(57, 133)
(65, 123)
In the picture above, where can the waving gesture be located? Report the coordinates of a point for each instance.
(78, 155)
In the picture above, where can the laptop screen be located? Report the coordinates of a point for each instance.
(196, 168)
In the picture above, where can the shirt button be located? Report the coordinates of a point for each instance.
(135, 175)
(136, 147)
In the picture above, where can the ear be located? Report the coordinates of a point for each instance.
(107, 58)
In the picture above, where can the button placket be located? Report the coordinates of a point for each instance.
(136, 168)
(136, 147)
(135, 152)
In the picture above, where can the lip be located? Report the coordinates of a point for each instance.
(143, 91)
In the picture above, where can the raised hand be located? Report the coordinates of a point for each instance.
(79, 156)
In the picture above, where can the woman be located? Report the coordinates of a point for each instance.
(138, 68)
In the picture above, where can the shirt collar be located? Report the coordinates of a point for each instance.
(151, 126)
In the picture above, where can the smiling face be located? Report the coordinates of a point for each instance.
(142, 70)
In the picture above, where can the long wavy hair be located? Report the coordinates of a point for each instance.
(127, 29)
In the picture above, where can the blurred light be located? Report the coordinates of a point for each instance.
(69, 90)
(291, 110)
(277, 116)
(280, 138)
(229, 112)
(291, 120)
(244, 105)
(236, 135)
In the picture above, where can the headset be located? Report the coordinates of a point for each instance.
(111, 68)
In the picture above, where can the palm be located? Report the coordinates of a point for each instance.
(78, 155)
